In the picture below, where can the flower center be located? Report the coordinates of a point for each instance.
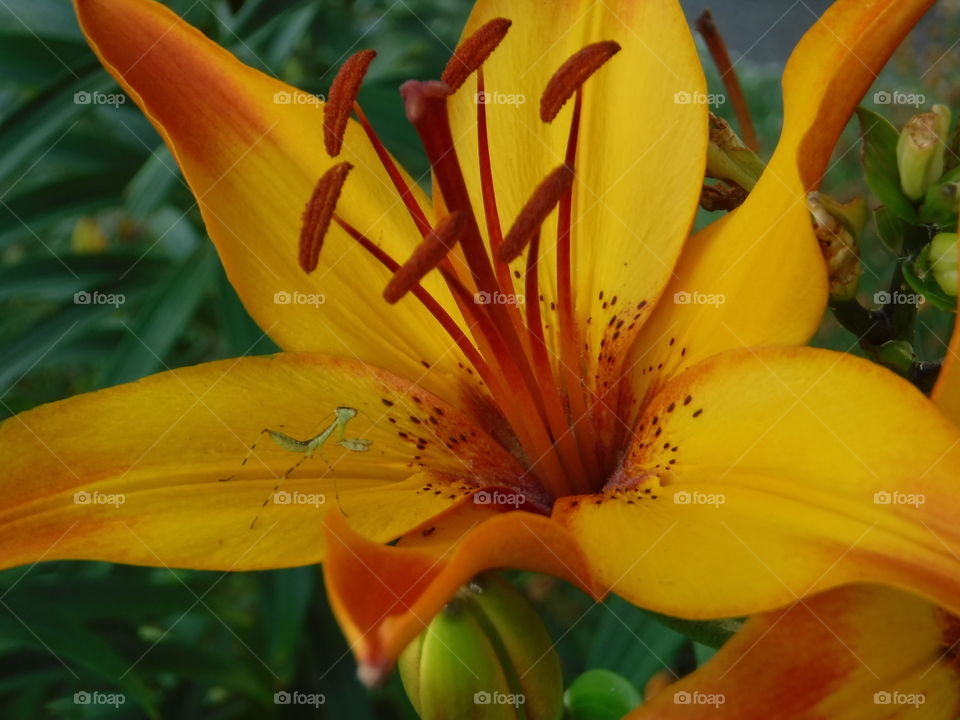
(541, 393)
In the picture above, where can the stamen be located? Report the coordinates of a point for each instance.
(318, 212)
(538, 207)
(426, 257)
(522, 401)
(556, 416)
(473, 51)
(569, 353)
(721, 56)
(572, 74)
(426, 108)
(343, 93)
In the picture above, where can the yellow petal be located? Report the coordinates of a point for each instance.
(856, 653)
(149, 460)
(761, 477)
(640, 157)
(384, 596)
(756, 277)
(251, 149)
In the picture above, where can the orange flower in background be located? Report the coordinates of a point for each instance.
(547, 373)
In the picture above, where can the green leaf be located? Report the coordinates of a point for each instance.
(631, 643)
(290, 34)
(74, 645)
(890, 228)
(713, 633)
(48, 19)
(160, 324)
(37, 126)
(200, 664)
(63, 198)
(285, 599)
(150, 186)
(35, 63)
(239, 334)
(880, 163)
(56, 279)
(46, 338)
(703, 653)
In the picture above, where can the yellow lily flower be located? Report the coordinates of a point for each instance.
(643, 428)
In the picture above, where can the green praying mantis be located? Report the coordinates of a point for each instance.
(309, 447)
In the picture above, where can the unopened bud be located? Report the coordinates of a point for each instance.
(838, 229)
(940, 205)
(943, 262)
(486, 655)
(601, 695)
(921, 150)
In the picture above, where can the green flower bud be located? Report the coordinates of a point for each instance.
(601, 695)
(921, 150)
(486, 655)
(943, 262)
(940, 205)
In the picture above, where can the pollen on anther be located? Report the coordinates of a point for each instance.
(572, 74)
(538, 207)
(473, 51)
(319, 212)
(343, 93)
(427, 255)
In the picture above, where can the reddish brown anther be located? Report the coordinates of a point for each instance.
(472, 52)
(317, 214)
(572, 74)
(531, 217)
(426, 257)
(343, 93)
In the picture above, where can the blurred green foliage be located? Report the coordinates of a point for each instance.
(91, 201)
